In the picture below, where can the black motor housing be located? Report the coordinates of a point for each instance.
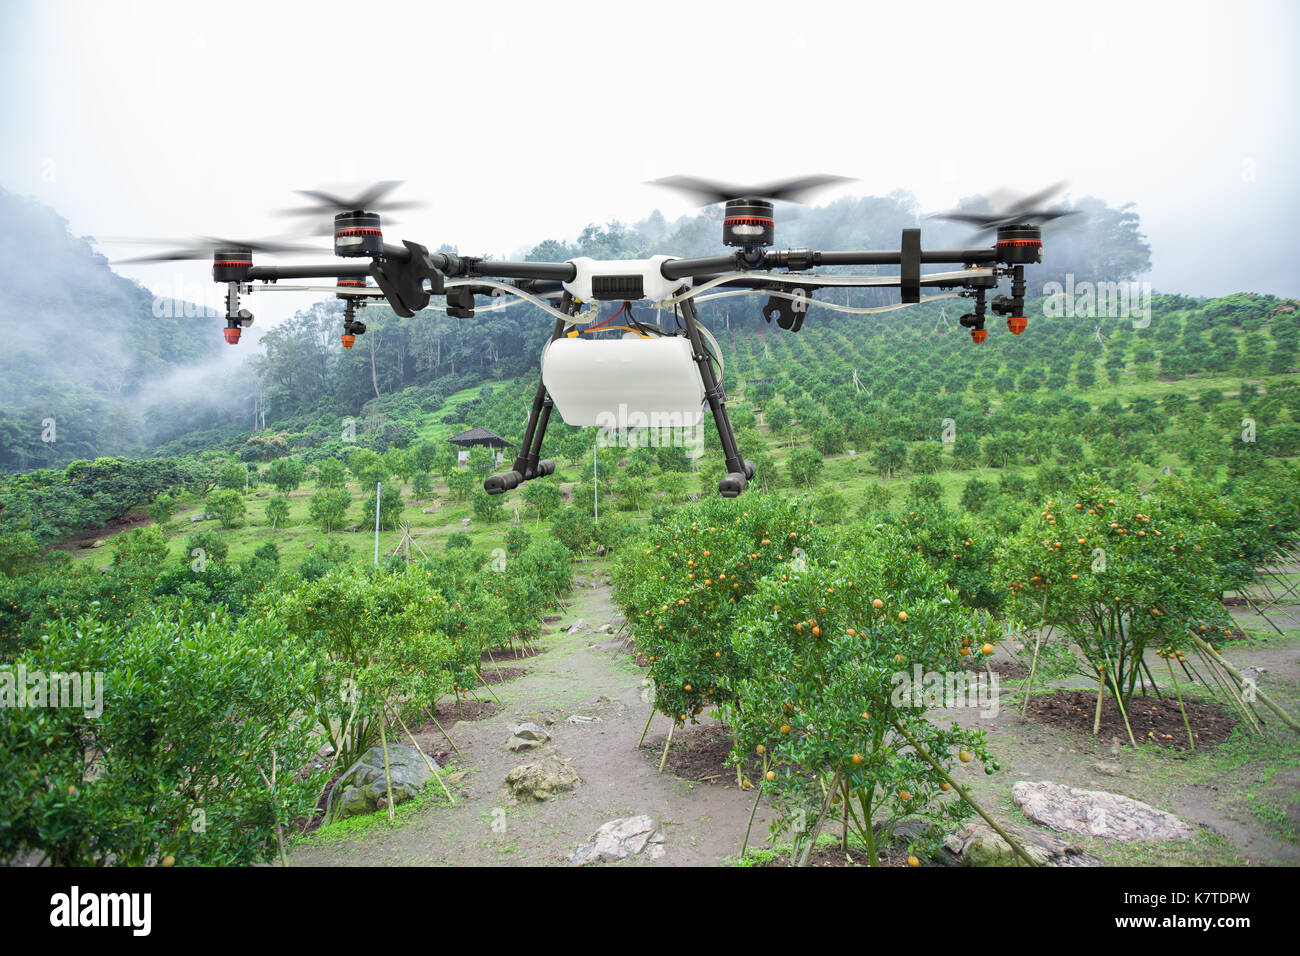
(748, 222)
(1019, 245)
(358, 234)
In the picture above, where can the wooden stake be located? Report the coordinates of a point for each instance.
(388, 776)
(432, 769)
(1191, 742)
(664, 759)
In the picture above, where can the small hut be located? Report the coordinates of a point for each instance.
(480, 436)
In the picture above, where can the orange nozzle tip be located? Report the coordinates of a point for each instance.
(348, 340)
(232, 336)
(1017, 323)
(979, 335)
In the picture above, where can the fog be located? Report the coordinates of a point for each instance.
(525, 121)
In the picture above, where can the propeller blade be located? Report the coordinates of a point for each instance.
(709, 191)
(370, 199)
(203, 247)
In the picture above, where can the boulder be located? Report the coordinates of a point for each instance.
(526, 737)
(576, 626)
(464, 522)
(1096, 813)
(363, 789)
(540, 780)
(978, 844)
(620, 839)
(98, 543)
(428, 511)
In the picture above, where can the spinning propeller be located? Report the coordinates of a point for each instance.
(357, 228)
(204, 247)
(748, 219)
(1011, 212)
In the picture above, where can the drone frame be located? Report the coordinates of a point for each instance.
(407, 276)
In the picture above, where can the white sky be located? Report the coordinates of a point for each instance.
(520, 121)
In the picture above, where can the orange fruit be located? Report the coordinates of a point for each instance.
(771, 775)
(964, 756)
(785, 728)
(913, 861)
(857, 758)
(987, 649)
(877, 604)
(902, 615)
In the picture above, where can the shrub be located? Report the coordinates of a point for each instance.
(228, 506)
(195, 709)
(329, 508)
(825, 691)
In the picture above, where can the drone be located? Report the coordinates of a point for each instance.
(654, 377)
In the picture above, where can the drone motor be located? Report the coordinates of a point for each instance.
(358, 234)
(748, 222)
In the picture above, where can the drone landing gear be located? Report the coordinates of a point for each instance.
(739, 471)
(528, 463)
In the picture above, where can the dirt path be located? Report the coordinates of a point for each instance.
(588, 674)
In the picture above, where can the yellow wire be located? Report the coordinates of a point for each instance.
(610, 328)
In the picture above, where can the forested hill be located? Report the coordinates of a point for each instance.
(83, 345)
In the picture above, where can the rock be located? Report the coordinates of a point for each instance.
(464, 522)
(604, 629)
(540, 780)
(576, 626)
(198, 516)
(310, 545)
(263, 494)
(978, 844)
(1109, 769)
(1096, 813)
(618, 620)
(98, 543)
(530, 731)
(428, 511)
(620, 839)
(526, 737)
(363, 789)
(601, 550)
(581, 719)
(353, 528)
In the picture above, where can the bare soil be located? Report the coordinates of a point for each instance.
(1154, 720)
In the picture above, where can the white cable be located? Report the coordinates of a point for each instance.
(809, 301)
(820, 281)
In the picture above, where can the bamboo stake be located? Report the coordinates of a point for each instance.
(821, 818)
(664, 759)
(962, 792)
(411, 737)
(1101, 691)
(388, 776)
(753, 810)
(1191, 742)
(1231, 693)
(275, 809)
(440, 730)
(1119, 701)
(646, 728)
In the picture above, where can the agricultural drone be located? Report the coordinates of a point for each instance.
(654, 376)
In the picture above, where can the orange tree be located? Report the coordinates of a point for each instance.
(681, 582)
(829, 697)
(957, 546)
(1115, 573)
(384, 638)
